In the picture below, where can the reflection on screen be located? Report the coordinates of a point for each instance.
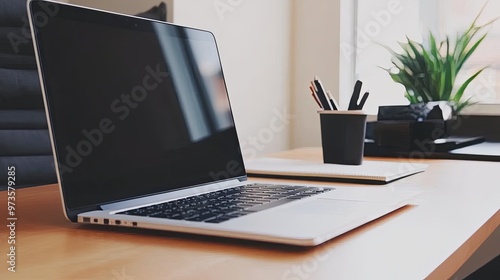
(204, 100)
(136, 107)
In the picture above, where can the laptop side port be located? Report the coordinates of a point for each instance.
(106, 221)
(86, 220)
(118, 222)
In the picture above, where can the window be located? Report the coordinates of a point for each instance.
(387, 22)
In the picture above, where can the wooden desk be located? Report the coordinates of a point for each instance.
(458, 209)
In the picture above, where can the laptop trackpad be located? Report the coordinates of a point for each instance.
(333, 207)
(330, 211)
(309, 218)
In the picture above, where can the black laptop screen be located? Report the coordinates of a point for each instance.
(136, 107)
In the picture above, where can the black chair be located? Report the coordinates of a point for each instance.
(24, 138)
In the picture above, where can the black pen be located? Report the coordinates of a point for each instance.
(322, 95)
(315, 96)
(332, 101)
(353, 103)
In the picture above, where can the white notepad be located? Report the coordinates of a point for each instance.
(375, 172)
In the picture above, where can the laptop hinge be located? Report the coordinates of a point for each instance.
(243, 178)
(179, 193)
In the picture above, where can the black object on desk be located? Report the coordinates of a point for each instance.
(452, 147)
(342, 136)
(485, 151)
(427, 149)
(423, 131)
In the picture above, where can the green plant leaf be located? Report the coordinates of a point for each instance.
(428, 73)
(464, 57)
(461, 90)
(432, 44)
(450, 73)
(479, 14)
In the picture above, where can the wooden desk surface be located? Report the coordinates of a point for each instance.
(457, 210)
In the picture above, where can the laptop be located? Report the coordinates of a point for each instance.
(143, 136)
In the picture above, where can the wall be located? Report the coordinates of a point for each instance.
(316, 32)
(254, 44)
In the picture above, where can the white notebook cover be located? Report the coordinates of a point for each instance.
(380, 172)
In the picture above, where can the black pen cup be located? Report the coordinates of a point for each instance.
(343, 136)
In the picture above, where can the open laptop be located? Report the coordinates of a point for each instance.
(143, 136)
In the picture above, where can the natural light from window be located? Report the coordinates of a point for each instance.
(387, 22)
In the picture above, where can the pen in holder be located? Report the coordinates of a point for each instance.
(343, 136)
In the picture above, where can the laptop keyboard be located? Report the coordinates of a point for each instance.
(223, 205)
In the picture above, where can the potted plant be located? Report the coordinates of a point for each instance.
(428, 72)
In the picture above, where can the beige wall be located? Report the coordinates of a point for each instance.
(315, 48)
